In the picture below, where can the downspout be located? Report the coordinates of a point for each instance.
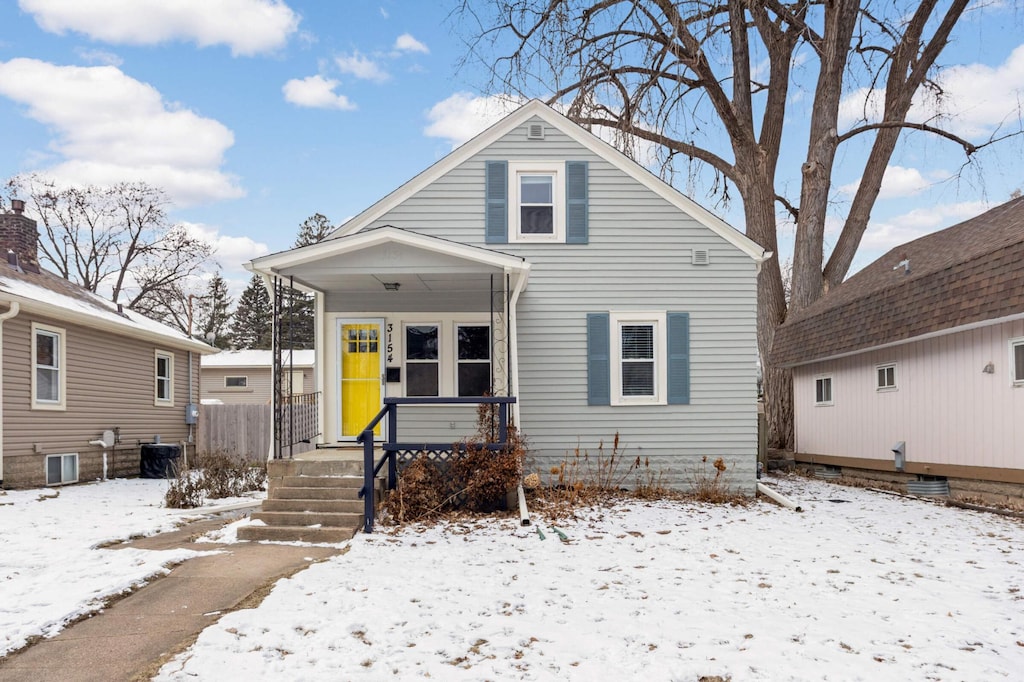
(513, 339)
(11, 312)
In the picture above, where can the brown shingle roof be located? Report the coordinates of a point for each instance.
(968, 273)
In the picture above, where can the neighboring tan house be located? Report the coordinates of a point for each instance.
(75, 366)
(236, 377)
(536, 261)
(924, 348)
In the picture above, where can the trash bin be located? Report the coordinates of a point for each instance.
(159, 460)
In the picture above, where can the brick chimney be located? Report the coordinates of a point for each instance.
(19, 238)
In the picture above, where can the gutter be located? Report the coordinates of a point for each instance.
(11, 312)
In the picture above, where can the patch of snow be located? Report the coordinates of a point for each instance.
(878, 588)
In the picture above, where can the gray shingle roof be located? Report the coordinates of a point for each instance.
(968, 273)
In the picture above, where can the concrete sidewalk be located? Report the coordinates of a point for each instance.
(131, 639)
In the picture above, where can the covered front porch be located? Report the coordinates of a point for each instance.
(398, 315)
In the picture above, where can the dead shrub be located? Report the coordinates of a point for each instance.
(419, 494)
(714, 488)
(215, 476)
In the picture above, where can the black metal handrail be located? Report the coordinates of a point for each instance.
(392, 447)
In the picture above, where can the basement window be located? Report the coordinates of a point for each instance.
(61, 469)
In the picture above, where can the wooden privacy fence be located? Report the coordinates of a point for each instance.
(240, 430)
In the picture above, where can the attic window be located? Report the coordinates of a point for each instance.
(701, 257)
(535, 131)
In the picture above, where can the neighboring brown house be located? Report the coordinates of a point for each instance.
(924, 348)
(75, 366)
(235, 377)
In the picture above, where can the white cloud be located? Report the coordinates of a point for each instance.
(110, 127)
(231, 253)
(316, 92)
(406, 43)
(384, 13)
(976, 99)
(882, 236)
(463, 115)
(246, 26)
(98, 57)
(359, 66)
(900, 182)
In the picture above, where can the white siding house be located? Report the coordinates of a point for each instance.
(536, 261)
(924, 347)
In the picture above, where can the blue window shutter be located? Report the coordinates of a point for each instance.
(496, 191)
(678, 358)
(576, 218)
(598, 360)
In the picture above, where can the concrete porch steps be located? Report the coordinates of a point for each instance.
(309, 501)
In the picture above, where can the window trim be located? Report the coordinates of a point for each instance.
(1014, 344)
(241, 387)
(831, 391)
(62, 373)
(157, 400)
(405, 358)
(556, 170)
(46, 469)
(455, 354)
(885, 388)
(658, 320)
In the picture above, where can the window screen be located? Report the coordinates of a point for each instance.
(421, 360)
(474, 360)
(637, 359)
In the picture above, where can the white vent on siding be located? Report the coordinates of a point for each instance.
(535, 131)
(701, 257)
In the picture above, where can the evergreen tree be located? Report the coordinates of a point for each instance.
(253, 325)
(297, 310)
(214, 316)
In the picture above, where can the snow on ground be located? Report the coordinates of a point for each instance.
(52, 568)
(861, 586)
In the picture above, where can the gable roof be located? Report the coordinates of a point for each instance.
(256, 359)
(47, 294)
(967, 275)
(536, 108)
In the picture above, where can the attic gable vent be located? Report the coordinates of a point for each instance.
(535, 131)
(701, 257)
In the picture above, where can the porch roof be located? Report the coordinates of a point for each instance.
(365, 261)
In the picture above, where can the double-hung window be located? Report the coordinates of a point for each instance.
(638, 369)
(537, 206)
(422, 371)
(49, 377)
(1017, 361)
(473, 374)
(164, 379)
(823, 391)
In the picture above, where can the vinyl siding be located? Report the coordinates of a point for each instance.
(638, 258)
(944, 407)
(110, 383)
(259, 388)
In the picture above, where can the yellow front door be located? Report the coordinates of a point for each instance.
(360, 376)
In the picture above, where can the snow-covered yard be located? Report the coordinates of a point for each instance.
(51, 567)
(861, 585)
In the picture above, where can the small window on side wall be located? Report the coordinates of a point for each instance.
(1017, 361)
(61, 469)
(164, 379)
(49, 377)
(236, 382)
(823, 391)
(885, 377)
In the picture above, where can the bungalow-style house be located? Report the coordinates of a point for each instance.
(914, 367)
(537, 262)
(84, 384)
(243, 377)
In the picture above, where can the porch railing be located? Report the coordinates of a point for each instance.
(296, 420)
(392, 446)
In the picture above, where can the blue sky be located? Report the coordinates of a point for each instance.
(254, 114)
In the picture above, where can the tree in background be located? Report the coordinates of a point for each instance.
(114, 240)
(715, 84)
(213, 319)
(297, 311)
(252, 325)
